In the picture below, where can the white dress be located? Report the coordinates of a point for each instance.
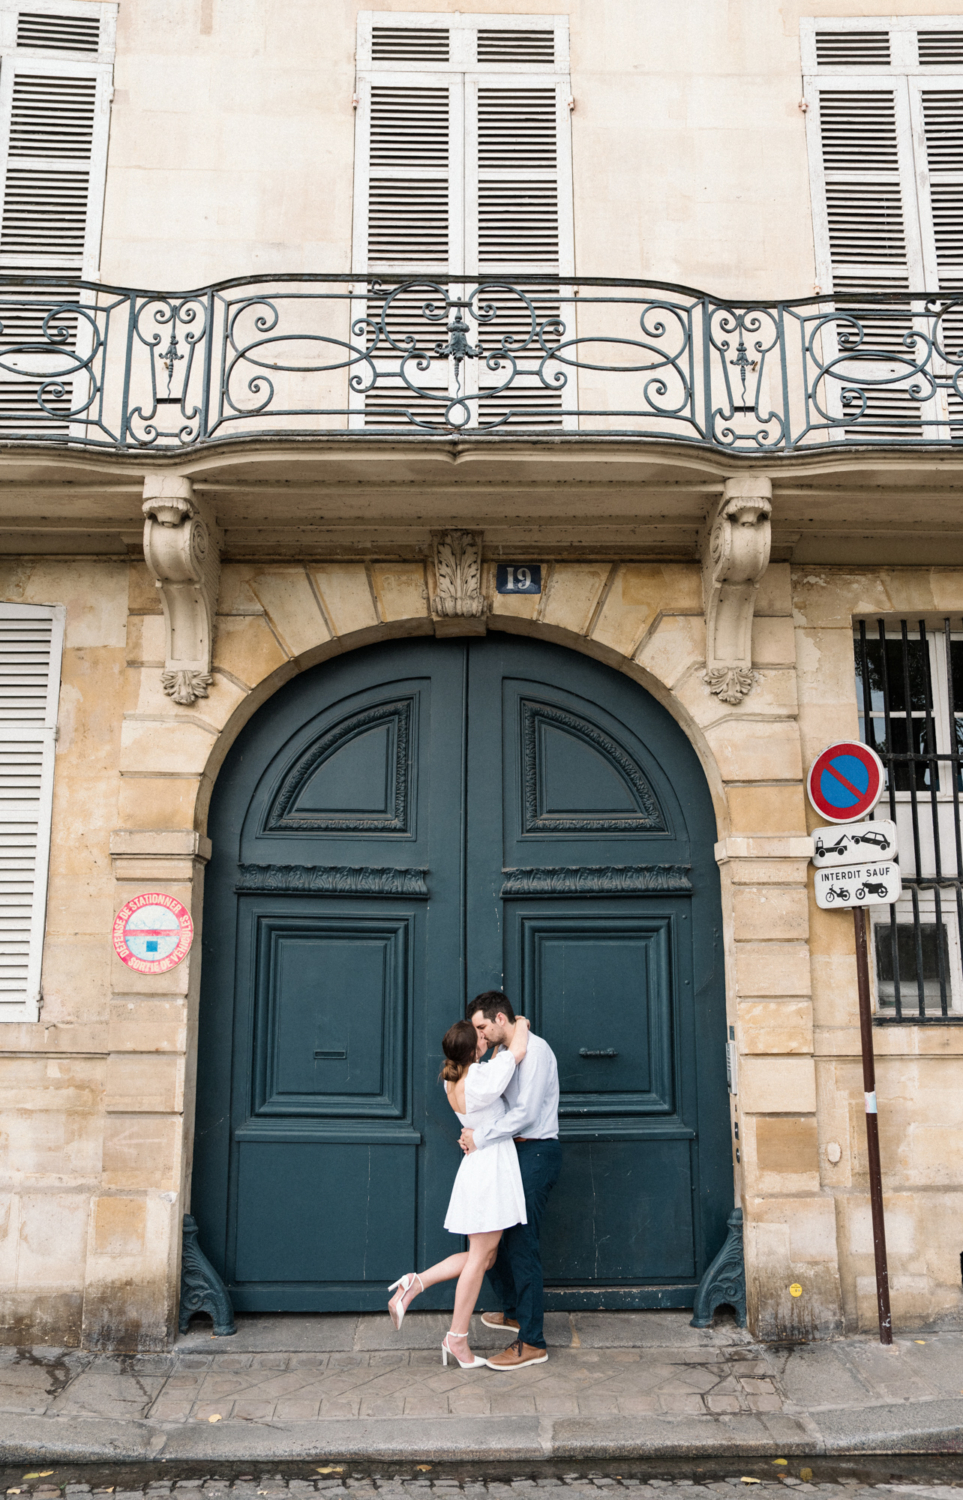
(488, 1191)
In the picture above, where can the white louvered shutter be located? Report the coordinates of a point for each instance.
(519, 211)
(31, 642)
(867, 230)
(937, 104)
(886, 163)
(463, 165)
(55, 87)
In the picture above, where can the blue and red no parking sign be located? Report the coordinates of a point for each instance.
(845, 781)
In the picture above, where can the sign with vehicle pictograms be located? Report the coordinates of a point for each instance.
(845, 781)
(854, 844)
(858, 885)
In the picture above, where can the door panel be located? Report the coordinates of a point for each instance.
(600, 986)
(617, 1217)
(395, 831)
(336, 1224)
(606, 820)
(332, 1012)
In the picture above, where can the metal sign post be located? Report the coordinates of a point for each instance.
(872, 1127)
(844, 784)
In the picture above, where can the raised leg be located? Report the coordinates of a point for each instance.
(443, 1270)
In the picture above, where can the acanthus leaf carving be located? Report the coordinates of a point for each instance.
(595, 880)
(735, 555)
(332, 880)
(458, 594)
(182, 552)
(185, 686)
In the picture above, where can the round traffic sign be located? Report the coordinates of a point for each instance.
(845, 781)
(152, 933)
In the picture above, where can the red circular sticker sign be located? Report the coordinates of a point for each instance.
(845, 781)
(152, 933)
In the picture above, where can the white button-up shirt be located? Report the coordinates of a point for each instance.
(532, 1099)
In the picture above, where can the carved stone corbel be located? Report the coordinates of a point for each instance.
(182, 551)
(735, 555)
(458, 605)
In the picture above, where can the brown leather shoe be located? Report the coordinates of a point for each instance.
(517, 1355)
(499, 1320)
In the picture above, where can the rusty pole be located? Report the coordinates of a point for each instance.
(872, 1128)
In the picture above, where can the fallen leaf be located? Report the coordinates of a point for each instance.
(805, 1475)
(919, 1341)
(747, 1480)
(216, 1417)
(780, 1460)
(423, 1467)
(331, 1469)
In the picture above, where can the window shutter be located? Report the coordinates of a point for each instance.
(518, 210)
(867, 233)
(938, 107)
(31, 642)
(886, 162)
(407, 200)
(463, 165)
(55, 85)
(463, 160)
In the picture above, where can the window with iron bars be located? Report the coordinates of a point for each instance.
(909, 687)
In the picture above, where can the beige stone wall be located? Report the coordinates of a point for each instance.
(97, 1099)
(919, 1070)
(232, 139)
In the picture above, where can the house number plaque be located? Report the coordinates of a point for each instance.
(518, 578)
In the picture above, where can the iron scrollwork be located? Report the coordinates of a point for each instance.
(202, 1290)
(298, 356)
(724, 1283)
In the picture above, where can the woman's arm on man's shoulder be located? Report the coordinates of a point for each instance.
(519, 1042)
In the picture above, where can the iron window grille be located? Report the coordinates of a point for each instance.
(909, 685)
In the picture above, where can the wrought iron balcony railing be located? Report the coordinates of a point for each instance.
(300, 356)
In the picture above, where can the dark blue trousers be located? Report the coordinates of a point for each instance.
(516, 1276)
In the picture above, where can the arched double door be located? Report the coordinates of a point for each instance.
(399, 829)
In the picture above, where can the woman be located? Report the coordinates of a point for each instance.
(487, 1196)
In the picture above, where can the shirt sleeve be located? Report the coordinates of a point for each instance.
(520, 1118)
(486, 1082)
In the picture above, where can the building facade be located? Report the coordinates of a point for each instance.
(456, 472)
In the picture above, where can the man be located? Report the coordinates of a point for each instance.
(532, 1120)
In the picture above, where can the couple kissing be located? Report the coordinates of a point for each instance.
(508, 1109)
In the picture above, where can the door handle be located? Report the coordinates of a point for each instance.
(603, 1052)
(329, 1056)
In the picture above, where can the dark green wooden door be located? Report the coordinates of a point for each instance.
(407, 826)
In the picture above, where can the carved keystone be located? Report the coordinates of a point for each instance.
(735, 555)
(458, 605)
(182, 551)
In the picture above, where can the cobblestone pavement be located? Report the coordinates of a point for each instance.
(573, 1486)
(614, 1383)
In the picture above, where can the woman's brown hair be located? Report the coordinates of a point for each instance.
(459, 1044)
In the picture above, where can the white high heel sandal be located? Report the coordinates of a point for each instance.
(406, 1283)
(446, 1349)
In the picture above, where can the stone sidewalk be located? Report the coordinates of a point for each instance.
(616, 1385)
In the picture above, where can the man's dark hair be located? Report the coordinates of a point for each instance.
(491, 1003)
